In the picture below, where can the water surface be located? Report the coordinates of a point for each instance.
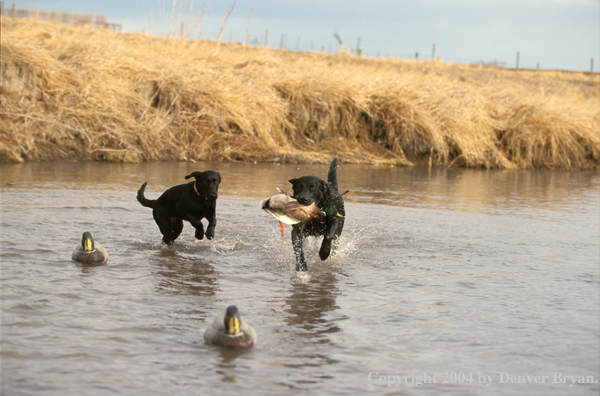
(453, 275)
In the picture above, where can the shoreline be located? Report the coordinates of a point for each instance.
(77, 93)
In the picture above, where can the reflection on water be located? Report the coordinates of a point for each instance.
(228, 365)
(88, 269)
(473, 190)
(308, 304)
(187, 275)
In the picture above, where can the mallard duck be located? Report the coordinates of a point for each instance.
(289, 211)
(89, 252)
(229, 330)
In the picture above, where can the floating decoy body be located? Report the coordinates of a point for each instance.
(89, 251)
(229, 330)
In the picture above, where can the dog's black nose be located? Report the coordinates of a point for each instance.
(303, 201)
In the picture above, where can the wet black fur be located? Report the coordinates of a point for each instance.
(309, 189)
(182, 203)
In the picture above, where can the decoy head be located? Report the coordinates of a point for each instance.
(232, 321)
(87, 241)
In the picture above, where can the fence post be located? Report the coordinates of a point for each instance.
(358, 50)
(281, 42)
(248, 26)
(416, 56)
(433, 53)
(592, 67)
(517, 69)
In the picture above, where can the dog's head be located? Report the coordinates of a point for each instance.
(309, 189)
(207, 183)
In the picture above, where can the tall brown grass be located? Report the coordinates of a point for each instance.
(88, 94)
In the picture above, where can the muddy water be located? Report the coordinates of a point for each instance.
(446, 280)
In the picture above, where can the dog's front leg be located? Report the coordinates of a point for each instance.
(194, 221)
(199, 230)
(197, 224)
(212, 223)
(328, 239)
(298, 251)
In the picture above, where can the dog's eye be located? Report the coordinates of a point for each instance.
(312, 188)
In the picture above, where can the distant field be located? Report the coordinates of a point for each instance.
(73, 93)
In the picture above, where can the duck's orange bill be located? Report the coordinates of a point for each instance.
(281, 227)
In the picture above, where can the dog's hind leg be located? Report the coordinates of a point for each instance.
(176, 227)
(163, 220)
(297, 240)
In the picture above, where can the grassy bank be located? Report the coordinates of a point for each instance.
(90, 94)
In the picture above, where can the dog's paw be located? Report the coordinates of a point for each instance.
(199, 233)
(210, 233)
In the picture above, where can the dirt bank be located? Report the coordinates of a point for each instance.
(91, 94)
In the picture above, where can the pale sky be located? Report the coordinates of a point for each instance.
(556, 34)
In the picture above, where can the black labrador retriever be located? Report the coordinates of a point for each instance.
(309, 189)
(191, 202)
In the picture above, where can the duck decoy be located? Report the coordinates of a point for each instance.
(89, 251)
(229, 330)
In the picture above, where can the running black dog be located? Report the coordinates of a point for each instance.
(191, 202)
(309, 189)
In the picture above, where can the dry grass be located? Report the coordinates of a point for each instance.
(88, 94)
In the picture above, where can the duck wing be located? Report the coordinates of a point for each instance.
(283, 217)
(306, 213)
(281, 206)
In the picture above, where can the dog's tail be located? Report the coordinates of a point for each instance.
(332, 176)
(149, 203)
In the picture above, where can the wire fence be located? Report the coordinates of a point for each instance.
(68, 18)
(93, 20)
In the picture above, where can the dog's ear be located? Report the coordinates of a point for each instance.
(293, 181)
(194, 175)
